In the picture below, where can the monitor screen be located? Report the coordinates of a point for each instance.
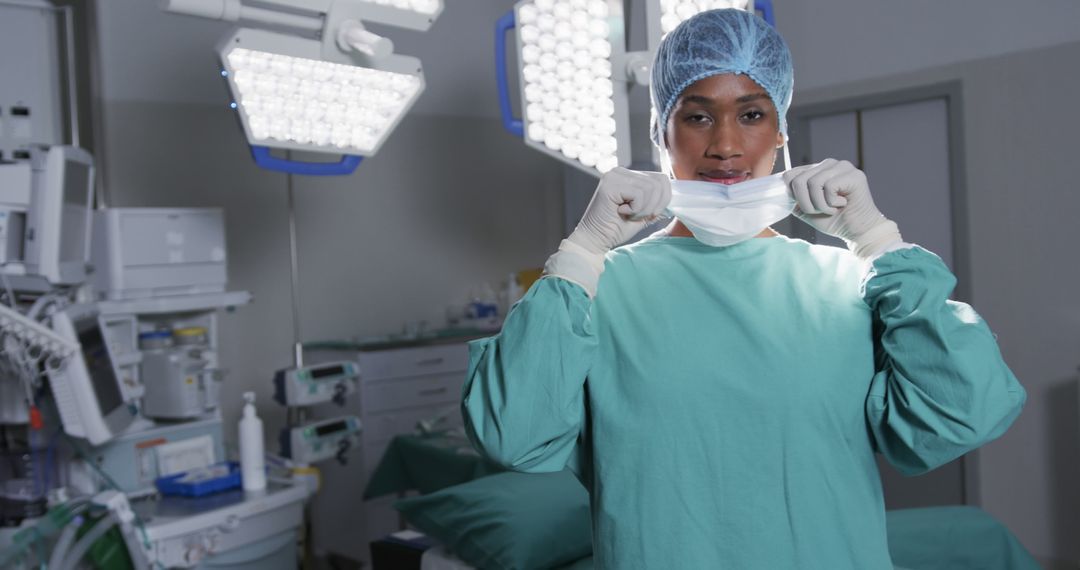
(327, 371)
(328, 429)
(99, 366)
(73, 235)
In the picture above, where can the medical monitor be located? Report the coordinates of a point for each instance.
(61, 203)
(87, 389)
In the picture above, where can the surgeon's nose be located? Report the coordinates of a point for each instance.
(726, 141)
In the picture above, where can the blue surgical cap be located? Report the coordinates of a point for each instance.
(716, 42)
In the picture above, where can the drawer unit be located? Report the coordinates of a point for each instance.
(398, 388)
(412, 392)
(408, 362)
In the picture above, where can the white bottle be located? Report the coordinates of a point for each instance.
(252, 461)
(513, 291)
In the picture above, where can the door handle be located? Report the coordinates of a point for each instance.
(433, 391)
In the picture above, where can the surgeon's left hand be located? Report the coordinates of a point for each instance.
(834, 197)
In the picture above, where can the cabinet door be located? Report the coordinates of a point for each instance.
(906, 158)
(904, 150)
(439, 391)
(413, 362)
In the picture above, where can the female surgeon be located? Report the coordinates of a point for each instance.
(723, 404)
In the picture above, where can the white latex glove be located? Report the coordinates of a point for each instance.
(834, 197)
(624, 202)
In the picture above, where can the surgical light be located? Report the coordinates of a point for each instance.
(574, 102)
(674, 12)
(575, 73)
(304, 103)
(665, 15)
(317, 80)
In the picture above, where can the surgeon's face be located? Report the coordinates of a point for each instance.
(725, 129)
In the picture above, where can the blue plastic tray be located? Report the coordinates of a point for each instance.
(171, 485)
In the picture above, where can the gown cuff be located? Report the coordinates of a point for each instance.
(896, 246)
(576, 265)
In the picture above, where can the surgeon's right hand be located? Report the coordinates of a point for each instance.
(624, 202)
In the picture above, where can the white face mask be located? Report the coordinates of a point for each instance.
(726, 214)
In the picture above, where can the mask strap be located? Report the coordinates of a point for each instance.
(787, 156)
(665, 156)
(665, 162)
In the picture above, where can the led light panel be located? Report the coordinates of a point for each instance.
(665, 15)
(574, 103)
(674, 12)
(293, 99)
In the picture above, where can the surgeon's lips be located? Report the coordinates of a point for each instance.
(724, 176)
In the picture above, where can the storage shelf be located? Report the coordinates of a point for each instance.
(176, 303)
(128, 359)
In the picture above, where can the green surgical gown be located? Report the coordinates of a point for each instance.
(724, 405)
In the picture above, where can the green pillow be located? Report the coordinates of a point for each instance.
(512, 521)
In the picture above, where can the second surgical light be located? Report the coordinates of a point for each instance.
(567, 77)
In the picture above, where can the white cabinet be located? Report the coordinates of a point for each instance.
(398, 388)
(125, 320)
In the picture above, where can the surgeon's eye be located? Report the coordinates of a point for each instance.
(697, 119)
(753, 116)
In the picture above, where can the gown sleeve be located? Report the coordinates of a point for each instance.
(524, 399)
(941, 388)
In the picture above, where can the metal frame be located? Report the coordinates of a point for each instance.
(303, 14)
(97, 104)
(952, 92)
(363, 9)
(72, 84)
(387, 15)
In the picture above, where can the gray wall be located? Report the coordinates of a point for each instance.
(1023, 199)
(836, 41)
